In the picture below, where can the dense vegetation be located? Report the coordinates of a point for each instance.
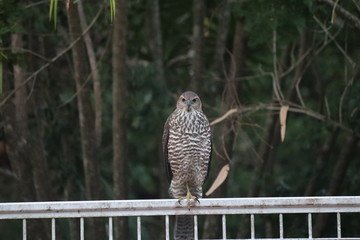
(84, 100)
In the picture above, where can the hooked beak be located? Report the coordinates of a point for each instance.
(188, 104)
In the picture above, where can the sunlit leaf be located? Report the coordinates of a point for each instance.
(221, 177)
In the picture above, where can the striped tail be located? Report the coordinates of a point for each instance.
(184, 228)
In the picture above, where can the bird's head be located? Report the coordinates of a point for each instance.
(189, 101)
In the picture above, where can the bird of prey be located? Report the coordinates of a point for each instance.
(187, 151)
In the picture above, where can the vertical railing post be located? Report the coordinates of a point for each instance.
(167, 228)
(224, 226)
(252, 222)
(196, 236)
(110, 228)
(24, 229)
(310, 225)
(82, 234)
(138, 228)
(338, 221)
(53, 230)
(281, 226)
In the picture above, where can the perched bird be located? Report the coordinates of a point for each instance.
(187, 151)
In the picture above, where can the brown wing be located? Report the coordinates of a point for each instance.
(165, 142)
(209, 164)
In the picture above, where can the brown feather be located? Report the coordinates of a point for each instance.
(165, 139)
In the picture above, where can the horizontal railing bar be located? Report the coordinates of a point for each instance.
(283, 239)
(161, 207)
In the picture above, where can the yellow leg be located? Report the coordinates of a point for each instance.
(188, 197)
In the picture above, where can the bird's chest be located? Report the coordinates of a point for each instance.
(188, 137)
(191, 125)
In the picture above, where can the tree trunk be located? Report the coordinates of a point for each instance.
(156, 39)
(119, 111)
(320, 160)
(229, 128)
(86, 120)
(70, 187)
(18, 147)
(156, 47)
(36, 104)
(72, 191)
(317, 171)
(338, 175)
(263, 174)
(95, 75)
(197, 64)
(271, 141)
(222, 32)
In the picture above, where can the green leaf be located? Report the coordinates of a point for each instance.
(112, 10)
(53, 11)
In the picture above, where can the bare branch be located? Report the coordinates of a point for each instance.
(336, 43)
(356, 4)
(223, 117)
(276, 107)
(9, 173)
(343, 13)
(28, 51)
(276, 84)
(94, 73)
(52, 60)
(343, 95)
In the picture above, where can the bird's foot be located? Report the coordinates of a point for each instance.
(188, 197)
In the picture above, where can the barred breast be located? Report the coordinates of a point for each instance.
(189, 149)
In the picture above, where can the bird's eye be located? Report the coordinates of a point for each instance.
(183, 99)
(194, 100)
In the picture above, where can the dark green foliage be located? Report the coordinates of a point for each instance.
(329, 86)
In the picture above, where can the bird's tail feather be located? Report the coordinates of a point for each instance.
(184, 227)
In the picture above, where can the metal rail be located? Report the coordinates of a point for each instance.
(207, 206)
(167, 207)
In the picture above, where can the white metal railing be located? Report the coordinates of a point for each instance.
(168, 207)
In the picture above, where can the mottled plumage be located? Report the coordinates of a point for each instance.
(187, 151)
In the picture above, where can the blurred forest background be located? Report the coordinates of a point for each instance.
(84, 97)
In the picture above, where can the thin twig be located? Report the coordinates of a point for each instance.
(343, 95)
(36, 4)
(276, 107)
(336, 43)
(327, 107)
(276, 82)
(343, 13)
(356, 4)
(333, 14)
(27, 51)
(46, 65)
(298, 61)
(223, 117)
(297, 85)
(72, 97)
(9, 173)
(253, 77)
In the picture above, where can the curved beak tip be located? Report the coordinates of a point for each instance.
(188, 104)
